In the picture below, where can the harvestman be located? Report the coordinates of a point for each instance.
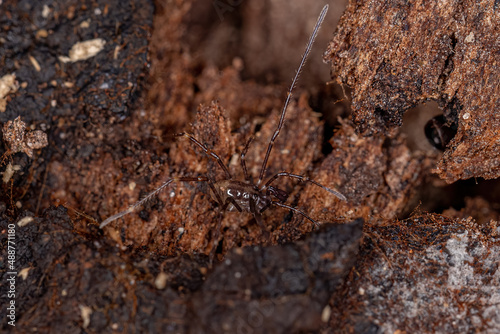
(245, 196)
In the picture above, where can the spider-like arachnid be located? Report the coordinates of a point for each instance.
(232, 195)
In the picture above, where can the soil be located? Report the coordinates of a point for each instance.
(84, 138)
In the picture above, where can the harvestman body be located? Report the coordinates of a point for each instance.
(245, 196)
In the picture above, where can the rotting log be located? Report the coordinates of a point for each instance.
(396, 55)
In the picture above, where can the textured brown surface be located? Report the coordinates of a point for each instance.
(227, 112)
(17, 139)
(426, 274)
(277, 289)
(254, 289)
(477, 207)
(110, 122)
(184, 216)
(396, 55)
(379, 177)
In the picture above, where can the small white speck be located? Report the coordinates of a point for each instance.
(85, 24)
(237, 274)
(172, 194)
(234, 160)
(53, 103)
(8, 85)
(227, 262)
(466, 115)
(24, 221)
(84, 50)
(470, 38)
(24, 273)
(132, 185)
(361, 291)
(45, 11)
(327, 312)
(181, 230)
(161, 281)
(116, 52)
(97, 11)
(9, 171)
(35, 63)
(85, 313)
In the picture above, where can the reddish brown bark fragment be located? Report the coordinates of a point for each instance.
(379, 177)
(111, 142)
(478, 208)
(396, 56)
(187, 214)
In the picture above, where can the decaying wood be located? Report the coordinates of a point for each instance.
(396, 55)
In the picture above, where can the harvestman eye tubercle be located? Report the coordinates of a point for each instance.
(232, 195)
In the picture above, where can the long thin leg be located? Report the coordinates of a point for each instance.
(207, 152)
(243, 163)
(303, 179)
(155, 192)
(233, 202)
(296, 210)
(289, 94)
(217, 195)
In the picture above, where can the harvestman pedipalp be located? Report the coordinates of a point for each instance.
(245, 196)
